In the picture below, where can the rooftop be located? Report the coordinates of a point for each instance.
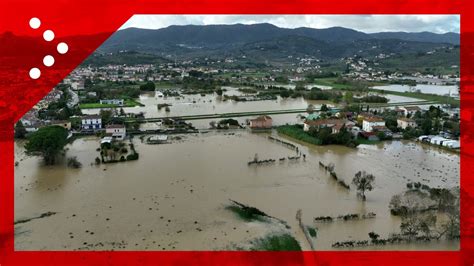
(92, 117)
(326, 122)
(373, 119)
(114, 126)
(405, 119)
(262, 118)
(412, 108)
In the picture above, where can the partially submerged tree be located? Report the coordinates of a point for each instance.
(363, 182)
(20, 130)
(48, 142)
(443, 197)
(417, 224)
(73, 162)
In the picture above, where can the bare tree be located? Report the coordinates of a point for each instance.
(363, 182)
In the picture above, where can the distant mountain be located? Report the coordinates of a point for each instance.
(301, 46)
(269, 40)
(450, 37)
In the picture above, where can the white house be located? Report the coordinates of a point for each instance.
(112, 101)
(116, 131)
(410, 110)
(369, 123)
(404, 122)
(91, 122)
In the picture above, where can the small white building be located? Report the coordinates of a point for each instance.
(410, 110)
(454, 144)
(116, 131)
(118, 102)
(404, 122)
(369, 123)
(91, 122)
(438, 140)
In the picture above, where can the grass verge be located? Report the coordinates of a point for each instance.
(298, 133)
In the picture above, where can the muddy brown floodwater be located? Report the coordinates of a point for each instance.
(174, 196)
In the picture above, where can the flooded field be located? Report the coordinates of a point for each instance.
(214, 104)
(175, 196)
(451, 90)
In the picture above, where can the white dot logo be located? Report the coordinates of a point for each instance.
(35, 73)
(62, 48)
(35, 23)
(48, 35)
(48, 60)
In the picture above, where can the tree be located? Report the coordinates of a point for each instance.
(426, 126)
(149, 86)
(446, 200)
(47, 141)
(20, 130)
(282, 79)
(324, 108)
(374, 237)
(413, 224)
(310, 109)
(106, 116)
(452, 225)
(363, 182)
(348, 97)
(73, 162)
(285, 94)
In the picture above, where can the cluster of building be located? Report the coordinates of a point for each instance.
(89, 124)
(366, 125)
(440, 141)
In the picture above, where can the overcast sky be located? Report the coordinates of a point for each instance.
(365, 23)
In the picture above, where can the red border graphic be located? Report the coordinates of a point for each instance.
(85, 24)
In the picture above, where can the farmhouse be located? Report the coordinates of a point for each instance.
(334, 124)
(369, 123)
(261, 122)
(91, 122)
(404, 122)
(116, 131)
(410, 110)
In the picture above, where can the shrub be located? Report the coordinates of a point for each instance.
(73, 163)
(132, 157)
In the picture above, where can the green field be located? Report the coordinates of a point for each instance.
(298, 133)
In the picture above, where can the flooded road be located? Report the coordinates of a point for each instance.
(174, 196)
